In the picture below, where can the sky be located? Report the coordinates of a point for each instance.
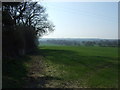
(83, 19)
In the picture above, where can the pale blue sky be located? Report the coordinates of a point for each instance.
(83, 19)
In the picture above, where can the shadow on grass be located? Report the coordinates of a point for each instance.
(39, 82)
(14, 71)
(67, 57)
(15, 74)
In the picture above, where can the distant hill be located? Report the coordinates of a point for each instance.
(78, 41)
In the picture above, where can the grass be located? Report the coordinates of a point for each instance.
(14, 71)
(83, 66)
(64, 66)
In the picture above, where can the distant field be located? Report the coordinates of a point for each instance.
(82, 66)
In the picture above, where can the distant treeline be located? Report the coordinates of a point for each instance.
(103, 43)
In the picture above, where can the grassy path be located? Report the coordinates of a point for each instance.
(35, 77)
(43, 75)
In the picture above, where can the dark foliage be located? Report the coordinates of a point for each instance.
(22, 24)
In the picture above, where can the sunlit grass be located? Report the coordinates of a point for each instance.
(90, 66)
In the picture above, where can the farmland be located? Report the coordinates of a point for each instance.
(82, 66)
(64, 67)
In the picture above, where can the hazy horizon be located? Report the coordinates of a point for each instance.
(73, 38)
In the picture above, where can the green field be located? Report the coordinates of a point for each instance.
(71, 67)
(83, 66)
